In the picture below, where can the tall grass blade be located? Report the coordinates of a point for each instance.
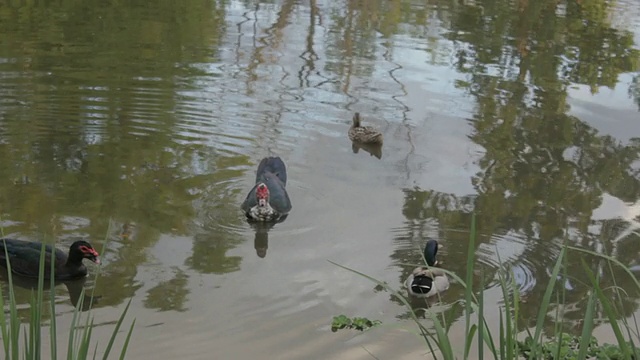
(587, 326)
(481, 327)
(612, 260)
(506, 331)
(4, 331)
(30, 335)
(30, 346)
(627, 326)
(546, 299)
(558, 328)
(26, 344)
(469, 284)
(609, 311)
(442, 328)
(52, 308)
(607, 307)
(503, 349)
(125, 346)
(516, 315)
(115, 331)
(470, 335)
(561, 299)
(15, 324)
(484, 334)
(14, 320)
(4, 326)
(86, 339)
(447, 352)
(83, 333)
(36, 308)
(3, 320)
(442, 338)
(488, 339)
(71, 346)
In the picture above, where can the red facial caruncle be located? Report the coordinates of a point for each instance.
(262, 195)
(90, 253)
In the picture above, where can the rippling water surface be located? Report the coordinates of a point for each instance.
(141, 127)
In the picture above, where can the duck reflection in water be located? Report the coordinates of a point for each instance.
(373, 149)
(261, 239)
(74, 289)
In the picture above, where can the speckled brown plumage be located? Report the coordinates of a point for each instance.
(364, 134)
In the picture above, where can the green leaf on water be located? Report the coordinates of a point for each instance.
(357, 323)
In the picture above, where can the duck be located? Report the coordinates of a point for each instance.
(428, 281)
(364, 134)
(24, 258)
(268, 200)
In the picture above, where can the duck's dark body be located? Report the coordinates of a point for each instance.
(24, 257)
(272, 173)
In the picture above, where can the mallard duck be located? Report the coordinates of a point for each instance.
(268, 199)
(364, 134)
(428, 281)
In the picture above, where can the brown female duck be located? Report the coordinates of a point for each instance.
(364, 134)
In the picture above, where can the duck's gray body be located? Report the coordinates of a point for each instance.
(273, 173)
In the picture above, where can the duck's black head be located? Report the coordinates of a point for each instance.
(430, 252)
(85, 250)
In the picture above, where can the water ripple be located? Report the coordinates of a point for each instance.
(508, 251)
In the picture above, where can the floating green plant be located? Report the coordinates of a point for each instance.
(357, 323)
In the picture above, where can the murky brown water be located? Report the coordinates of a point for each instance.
(144, 124)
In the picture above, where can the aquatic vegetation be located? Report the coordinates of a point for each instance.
(567, 347)
(24, 341)
(357, 323)
(508, 343)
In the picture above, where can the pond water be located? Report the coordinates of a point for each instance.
(140, 126)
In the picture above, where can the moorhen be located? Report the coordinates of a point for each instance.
(364, 134)
(426, 282)
(24, 257)
(268, 199)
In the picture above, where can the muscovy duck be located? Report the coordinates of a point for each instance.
(428, 281)
(24, 257)
(268, 199)
(364, 134)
